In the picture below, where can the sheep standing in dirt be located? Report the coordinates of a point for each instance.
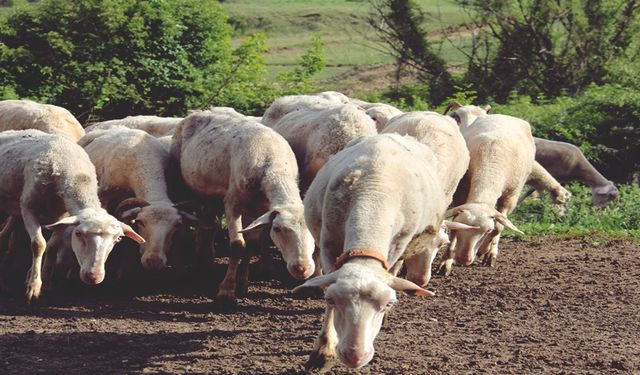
(315, 135)
(442, 135)
(250, 166)
(133, 168)
(502, 157)
(154, 125)
(26, 114)
(363, 208)
(565, 162)
(44, 177)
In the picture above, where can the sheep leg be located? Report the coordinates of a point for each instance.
(227, 291)
(505, 206)
(317, 261)
(38, 247)
(324, 349)
(490, 258)
(447, 264)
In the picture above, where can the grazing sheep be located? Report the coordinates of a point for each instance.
(290, 103)
(540, 179)
(315, 135)
(442, 135)
(26, 114)
(134, 166)
(224, 155)
(45, 176)
(154, 125)
(565, 162)
(502, 157)
(363, 208)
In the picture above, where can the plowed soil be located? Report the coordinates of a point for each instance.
(548, 307)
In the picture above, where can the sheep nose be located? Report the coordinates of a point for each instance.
(154, 263)
(464, 260)
(300, 271)
(355, 358)
(92, 278)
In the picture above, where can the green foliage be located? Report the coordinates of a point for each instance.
(299, 81)
(113, 58)
(538, 216)
(548, 47)
(604, 121)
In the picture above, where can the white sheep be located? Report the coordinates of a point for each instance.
(315, 135)
(133, 168)
(502, 157)
(442, 135)
(154, 125)
(363, 208)
(565, 162)
(290, 103)
(252, 167)
(44, 177)
(26, 114)
(381, 114)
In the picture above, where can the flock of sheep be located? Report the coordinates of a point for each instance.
(371, 189)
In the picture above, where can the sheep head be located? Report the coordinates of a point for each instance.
(94, 235)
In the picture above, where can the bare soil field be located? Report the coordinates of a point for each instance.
(548, 307)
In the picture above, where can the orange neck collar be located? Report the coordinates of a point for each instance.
(361, 253)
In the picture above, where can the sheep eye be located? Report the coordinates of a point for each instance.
(389, 305)
(277, 229)
(330, 301)
(139, 223)
(117, 239)
(78, 233)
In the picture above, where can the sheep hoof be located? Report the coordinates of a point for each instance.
(489, 260)
(225, 301)
(242, 288)
(445, 268)
(319, 362)
(33, 291)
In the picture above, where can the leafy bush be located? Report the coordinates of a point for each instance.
(113, 58)
(604, 121)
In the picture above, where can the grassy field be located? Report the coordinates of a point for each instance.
(349, 42)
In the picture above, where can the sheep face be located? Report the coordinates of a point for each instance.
(475, 240)
(157, 224)
(94, 235)
(601, 196)
(290, 234)
(419, 266)
(358, 296)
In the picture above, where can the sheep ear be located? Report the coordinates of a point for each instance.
(69, 220)
(262, 221)
(454, 211)
(403, 285)
(487, 108)
(319, 282)
(458, 226)
(130, 214)
(129, 232)
(500, 218)
(189, 219)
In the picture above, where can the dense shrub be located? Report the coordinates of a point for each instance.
(112, 58)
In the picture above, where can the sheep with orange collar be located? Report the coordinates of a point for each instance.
(363, 208)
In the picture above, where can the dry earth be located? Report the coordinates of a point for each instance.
(549, 307)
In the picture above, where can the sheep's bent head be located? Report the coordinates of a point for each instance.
(358, 296)
(484, 224)
(289, 233)
(94, 235)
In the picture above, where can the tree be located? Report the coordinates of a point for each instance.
(547, 47)
(113, 58)
(399, 24)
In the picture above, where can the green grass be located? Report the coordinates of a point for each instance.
(348, 39)
(621, 219)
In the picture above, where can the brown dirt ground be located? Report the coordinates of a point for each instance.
(548, 307)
